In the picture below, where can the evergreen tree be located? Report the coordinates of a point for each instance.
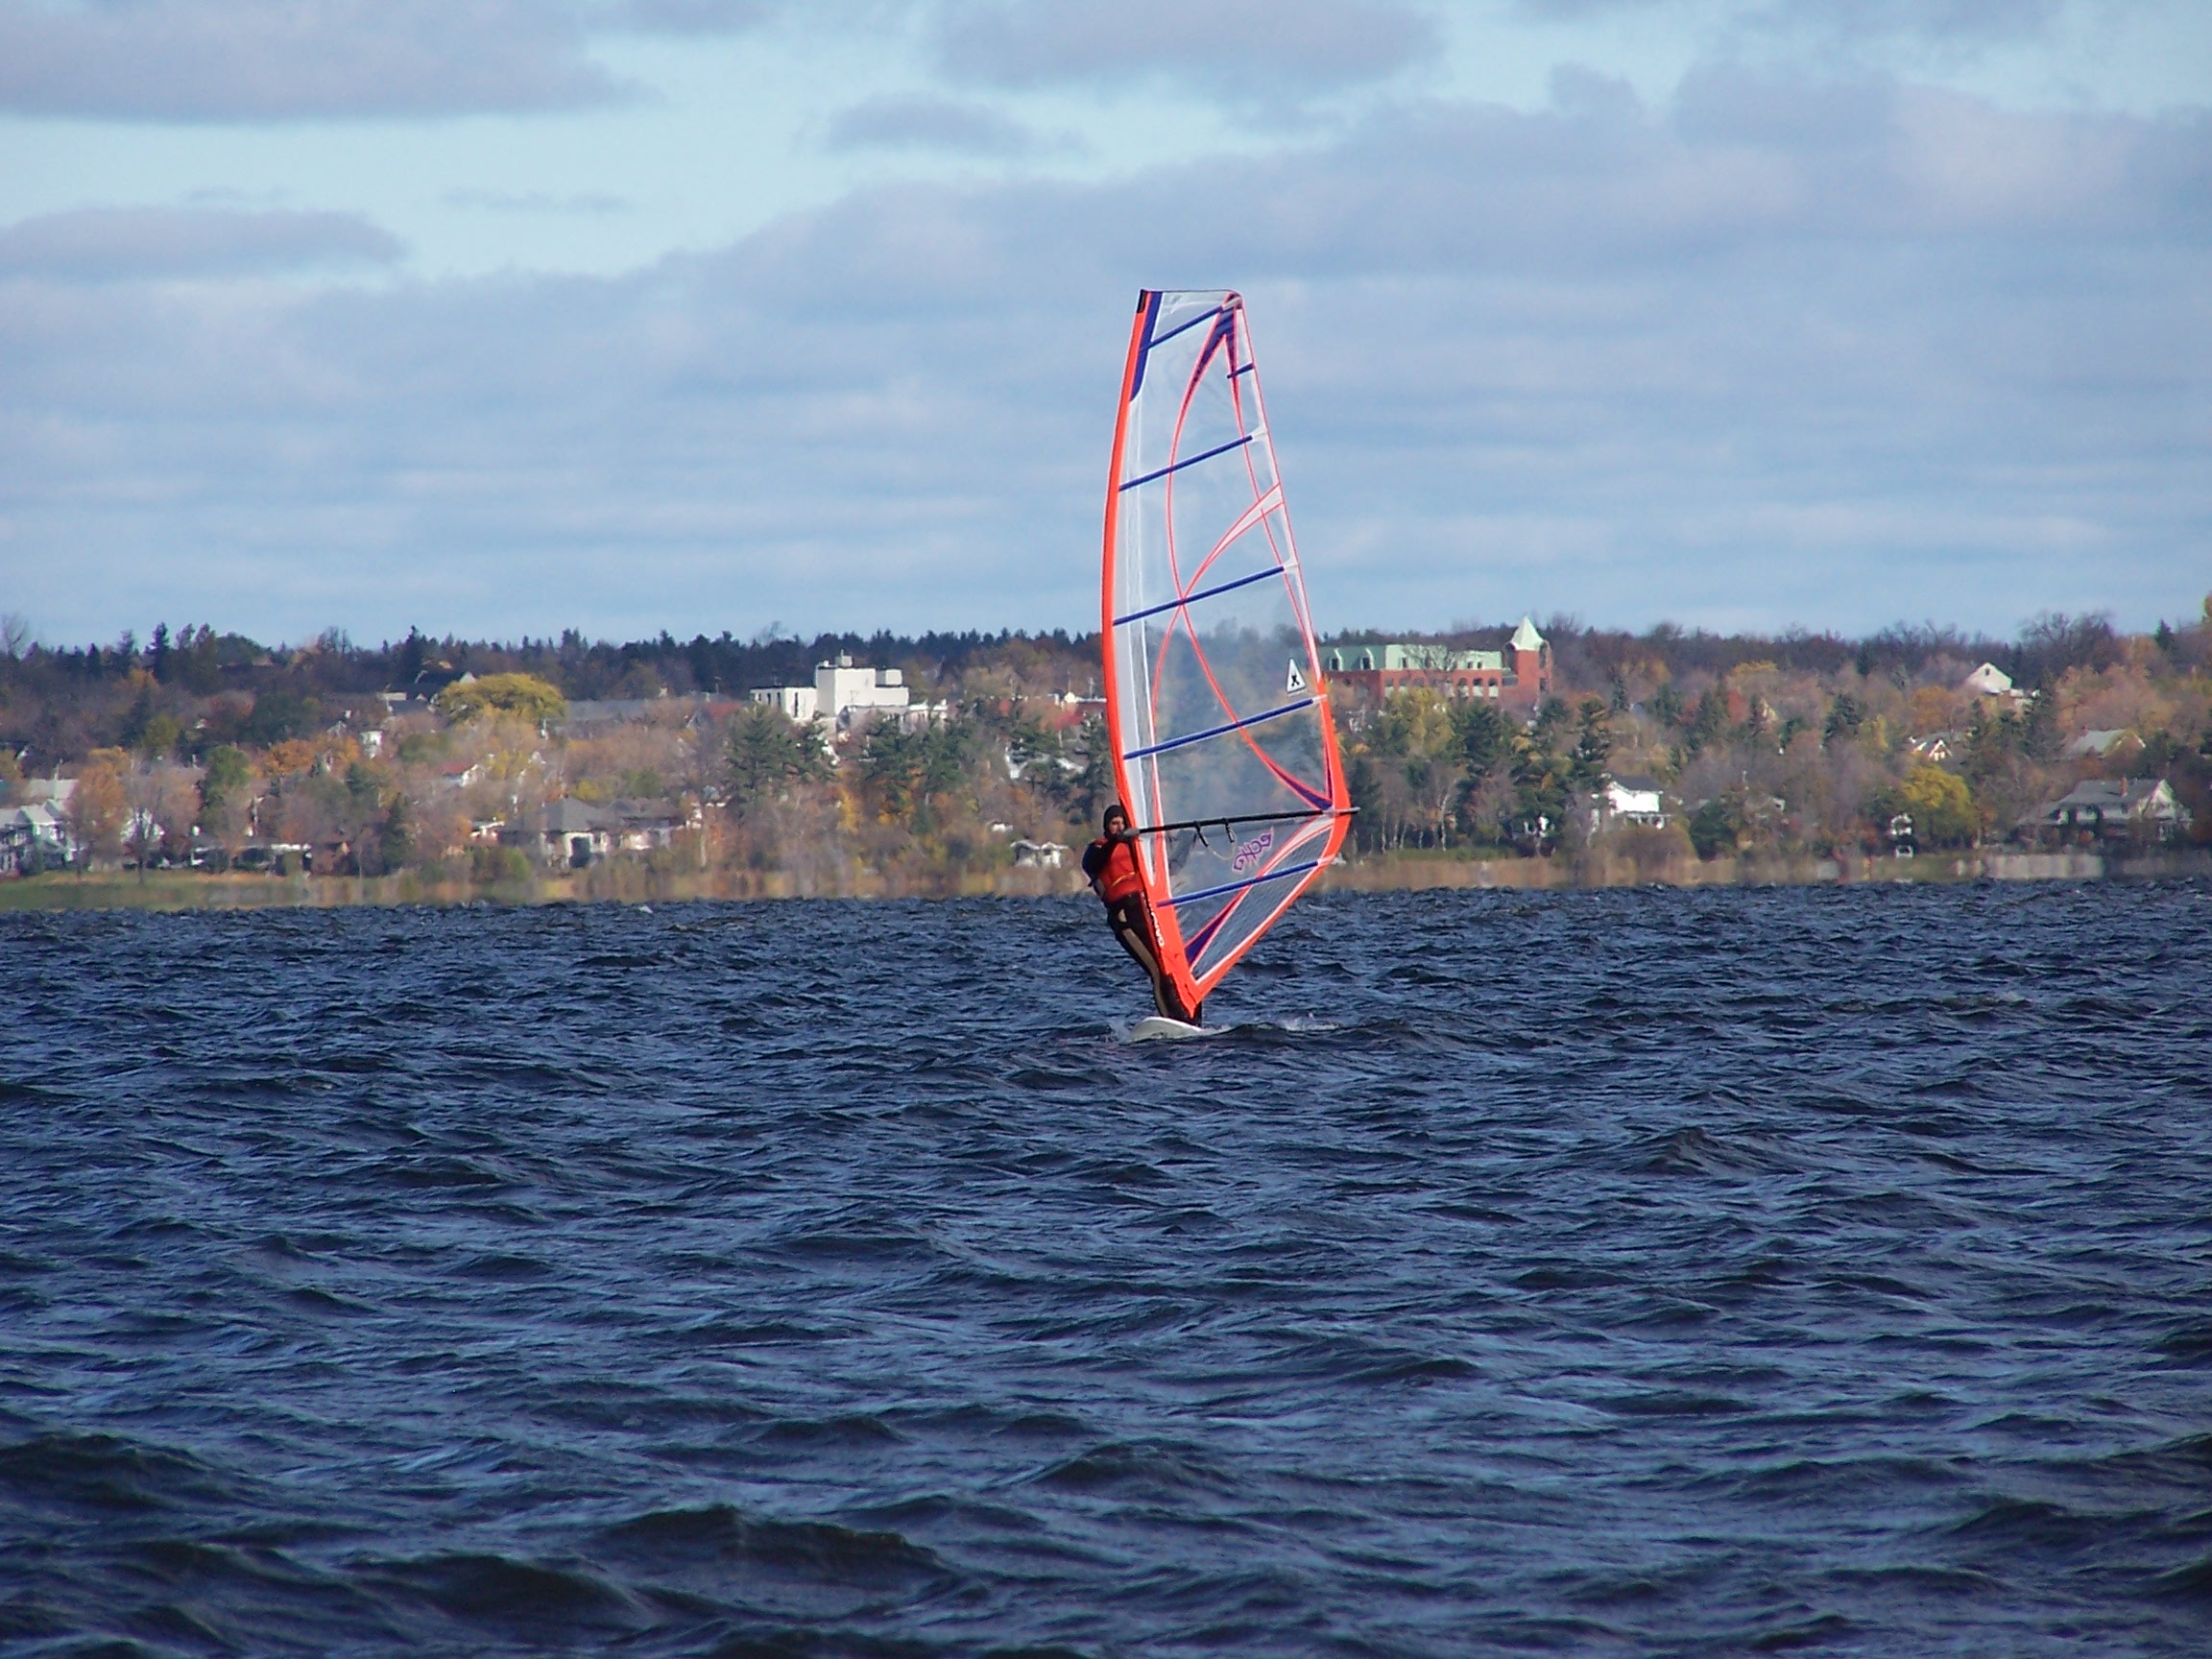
(1710, 721)
(1485, 740)
(766, 754)
(1593, 747)
(1845, 715)
(2040, 731)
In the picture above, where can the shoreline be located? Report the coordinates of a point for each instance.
(1388, 873)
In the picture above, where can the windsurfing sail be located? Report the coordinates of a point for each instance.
(1216, 707)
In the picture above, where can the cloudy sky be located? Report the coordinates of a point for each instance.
(498, 317)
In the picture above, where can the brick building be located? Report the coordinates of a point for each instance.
(1520, 676)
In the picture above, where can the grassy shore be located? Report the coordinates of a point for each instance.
(1414, 871)
(623, 882)
(629, 882)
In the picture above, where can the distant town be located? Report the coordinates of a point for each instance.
(947, 762)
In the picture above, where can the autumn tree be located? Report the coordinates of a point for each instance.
(1938, 802)
(1417, 745)
(97, 811)
(226, 798)
(524, 696)
(161, 800)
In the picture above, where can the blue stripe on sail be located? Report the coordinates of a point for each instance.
(1150, 299)
(1185, 327)
(1246, 370)
(1192, 460)
(1219, 730)
(1202, 593)
(1240, 886)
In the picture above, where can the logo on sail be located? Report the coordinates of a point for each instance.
(1248, 855)
(1296, 681)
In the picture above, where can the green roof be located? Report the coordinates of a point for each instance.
(1398, 657)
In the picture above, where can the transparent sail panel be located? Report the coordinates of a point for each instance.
(1221, 722)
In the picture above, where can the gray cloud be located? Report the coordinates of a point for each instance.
(1251, 50)
(289, 60)
(1772, 354)
(1950, 28)
(1950, 22)
(929, 123)
(121, 243)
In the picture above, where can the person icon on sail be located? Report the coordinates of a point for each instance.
(1111, 864)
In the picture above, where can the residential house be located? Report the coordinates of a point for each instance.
(580, 832)
(51, 792)
(566, 831)
(34, 837)
(1632, 800)
(2096, 744)
(2108, 808)
(645, 826)
(1040, 855)
(1991, 681)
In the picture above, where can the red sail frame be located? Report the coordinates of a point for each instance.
(1211, 735)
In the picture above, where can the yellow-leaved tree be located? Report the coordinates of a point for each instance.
(522, 695)
(1940, 805)
(97, 811)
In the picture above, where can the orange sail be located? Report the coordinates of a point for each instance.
(1215, 709)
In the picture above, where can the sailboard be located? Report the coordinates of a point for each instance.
(1159, 1029)
(1216, 712)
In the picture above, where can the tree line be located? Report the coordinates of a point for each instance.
(437, 754)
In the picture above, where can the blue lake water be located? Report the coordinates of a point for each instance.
(1681, 1272)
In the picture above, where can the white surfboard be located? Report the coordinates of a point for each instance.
(1159, 1029)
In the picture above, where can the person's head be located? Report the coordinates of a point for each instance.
(1117, 818)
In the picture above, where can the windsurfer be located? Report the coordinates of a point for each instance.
(1111, 864)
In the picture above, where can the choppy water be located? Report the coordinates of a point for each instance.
(1632, 1272)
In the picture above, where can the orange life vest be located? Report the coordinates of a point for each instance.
(1119, 876)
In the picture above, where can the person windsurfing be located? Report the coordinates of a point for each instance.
(1111, 864)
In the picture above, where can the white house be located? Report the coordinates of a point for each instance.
(1991, 681)
(54, 792)
(1632, 801)
(36, 835)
